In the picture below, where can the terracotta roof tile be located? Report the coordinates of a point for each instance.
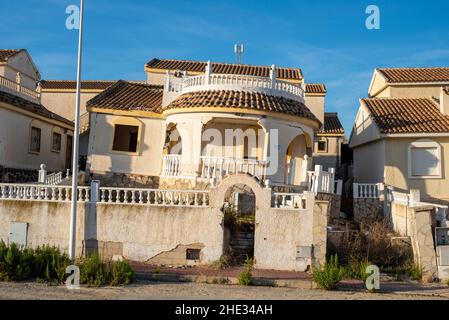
(124, 95)
(31, 107)
(315, 88)
(71, 84)
(419, 115)
(243, 100)
(398, 75)
(332, 124)
(7, 53)
(225, 68)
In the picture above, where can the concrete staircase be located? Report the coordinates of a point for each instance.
(242, 244)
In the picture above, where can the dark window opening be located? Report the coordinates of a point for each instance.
(321, 145)
(125, 138)
(35, 143)
(56, 142)
(193, 254)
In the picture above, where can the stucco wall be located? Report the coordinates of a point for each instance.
(330, 157)
(20, 63)
(102, 159)
(15, 142)
(416, 222)
(369, 162)
(396, 169)
(316, 105)
(63, 103)
(142, 232)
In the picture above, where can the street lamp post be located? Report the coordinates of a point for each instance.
(74, 198)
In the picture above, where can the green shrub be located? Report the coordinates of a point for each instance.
(15, 263)
(328, 276)
(93, 271)
(122, 274)
(407, 270)
(49, 264)
(356, 269)
(96, 272)
(246, 277)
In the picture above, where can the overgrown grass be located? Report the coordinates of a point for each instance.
(328, 276)
(47, 264)
(96, 272)
(372, 245)
(246, 276)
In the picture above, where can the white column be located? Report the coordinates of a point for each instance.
(191, 134)
(42, 174)
(273, 76)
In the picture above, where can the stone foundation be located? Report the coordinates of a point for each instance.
(183, 183)
(123, 180)
(368, 209)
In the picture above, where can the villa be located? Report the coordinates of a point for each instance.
(401, 131)
(30, 134)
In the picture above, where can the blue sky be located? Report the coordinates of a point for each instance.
(327, 39)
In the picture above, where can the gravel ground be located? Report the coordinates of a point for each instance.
(199, 291)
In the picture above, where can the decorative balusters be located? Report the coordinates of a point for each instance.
(294, 201)
(367, 190)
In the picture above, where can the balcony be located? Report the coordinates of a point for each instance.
(243, 83)
(176, 86)
(16, 88)
(215, 167)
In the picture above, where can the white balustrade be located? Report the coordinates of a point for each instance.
(367, 190)
(281, 200)
(217, 167)
(242, 82)
(321, 181)
(36, 192)
(18, 88)
(171, 165)
(53, 179)
(154, 197)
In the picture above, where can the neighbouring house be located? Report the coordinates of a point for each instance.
(170, 131)
(30, 134)
(328, 142)
(401, 132)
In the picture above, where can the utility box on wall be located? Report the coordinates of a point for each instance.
(18, 233)
(303, 252)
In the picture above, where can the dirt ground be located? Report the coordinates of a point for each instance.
(149, 290)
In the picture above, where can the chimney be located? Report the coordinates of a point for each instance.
(444, 100)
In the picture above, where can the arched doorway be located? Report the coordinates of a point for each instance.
(239, 223)
(294, 158)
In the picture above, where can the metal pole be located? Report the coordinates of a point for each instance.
(74, 199)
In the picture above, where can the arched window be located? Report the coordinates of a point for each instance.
(126, 135)
(424, 159)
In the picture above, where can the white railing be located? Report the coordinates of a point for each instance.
(154, 197)
(17, 87)
(367, 190)
(171, 165)
(53, 179)
(321, 181)
(41, 192)
(338, 188)
(217, 167)
(242, 82)
(283, 200)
